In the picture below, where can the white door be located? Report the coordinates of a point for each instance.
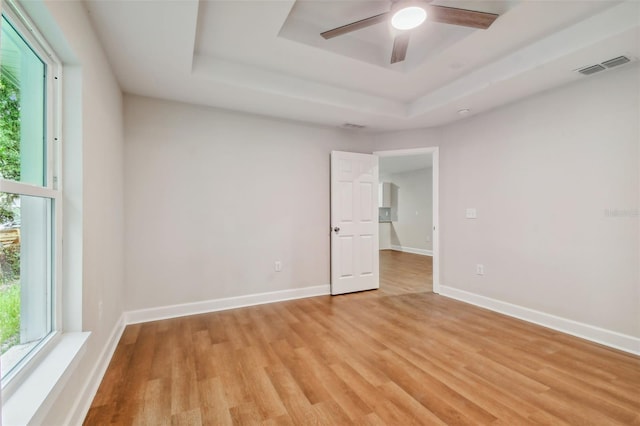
(354, 222)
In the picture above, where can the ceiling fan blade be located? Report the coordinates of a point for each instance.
(363, 23)
(462, 17)
(400, 45)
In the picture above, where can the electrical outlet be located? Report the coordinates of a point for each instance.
(471, 213)
(278, 266)
(480, 269)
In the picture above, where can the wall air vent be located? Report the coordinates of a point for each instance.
(616, 61)
(591, 70)
(352, 126)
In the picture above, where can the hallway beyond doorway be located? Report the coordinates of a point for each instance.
(402, 273)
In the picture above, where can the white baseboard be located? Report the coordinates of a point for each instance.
(423, 252)
(173, 311)
(80, 408)
(609, 338)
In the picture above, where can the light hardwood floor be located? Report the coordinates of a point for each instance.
(381, 357)
(402, 273)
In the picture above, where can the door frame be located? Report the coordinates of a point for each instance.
(434, 151)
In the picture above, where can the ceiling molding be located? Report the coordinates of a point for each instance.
(234, 55)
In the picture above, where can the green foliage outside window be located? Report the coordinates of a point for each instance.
(9, 141)
(9, 129)
(9, 317)
(10, 255)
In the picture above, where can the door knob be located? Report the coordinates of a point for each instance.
(336, 229)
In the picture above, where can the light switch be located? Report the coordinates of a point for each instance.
(472, 213)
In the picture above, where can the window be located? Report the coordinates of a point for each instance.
(30, 198)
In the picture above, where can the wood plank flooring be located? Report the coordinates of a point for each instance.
(380, 358)
(402, 273)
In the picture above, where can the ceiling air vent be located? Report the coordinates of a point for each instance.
(353, 126)
(591, 70)
(616, 61)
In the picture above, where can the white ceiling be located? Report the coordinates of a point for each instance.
(308, 18)
(267, 57)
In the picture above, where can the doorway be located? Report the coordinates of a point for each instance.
(408, 221)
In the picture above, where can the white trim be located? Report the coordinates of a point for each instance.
(29, 32)
(435, 237)
(16, 15)
(80, 408)
(28, 364)
(63, 348)
(213, 305)
(37, 392)
(423, 252)
(595, 334)
(435, 158)
(406, 152)
(27, 189)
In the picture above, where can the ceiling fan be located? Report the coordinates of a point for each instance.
(408, 14)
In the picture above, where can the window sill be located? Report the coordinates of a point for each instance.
(33, 397)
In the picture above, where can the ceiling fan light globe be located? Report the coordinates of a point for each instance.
(408, 18)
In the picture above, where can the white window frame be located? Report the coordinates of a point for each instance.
(53, 189)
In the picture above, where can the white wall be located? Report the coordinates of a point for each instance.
(412, 209)
(214, 198)
(542, 172)
(93, 183)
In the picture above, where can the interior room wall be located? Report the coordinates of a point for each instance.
(215, 198)
(545, 174)
(93, 183)
(412, 204)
